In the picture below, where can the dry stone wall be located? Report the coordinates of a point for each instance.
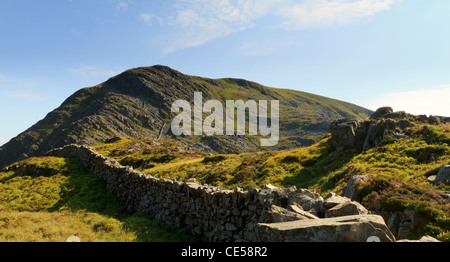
(229, 215)
(212, 212)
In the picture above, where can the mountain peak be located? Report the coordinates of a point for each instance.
(155, 70)
(137, 103)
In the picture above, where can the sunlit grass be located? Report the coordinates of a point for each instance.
(49, 199)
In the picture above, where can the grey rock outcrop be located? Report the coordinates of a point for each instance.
(339, 229)
(352, 135)
(380, 112)
(344, 132)
(434, 120)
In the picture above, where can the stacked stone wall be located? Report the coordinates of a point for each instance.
(208, 211)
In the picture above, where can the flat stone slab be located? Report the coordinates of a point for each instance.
(346, 209)
(358, 228)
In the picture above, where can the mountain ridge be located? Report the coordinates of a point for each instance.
(137, 103)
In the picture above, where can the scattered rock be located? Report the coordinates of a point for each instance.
(299, 210)
(346, 209)
(333, 200)
(344, 132)
(350, 190)
(443, 176)
(423, 239)
(434, 120)
(396, 115)
(410, 222)
(278, 214)
(447, 193)
(399, 135)
(308, 201)
(381, 112)
(393, 222)
(112, 140)
(271, 187)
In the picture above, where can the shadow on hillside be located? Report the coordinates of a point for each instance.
(86, 192)
(319, 170)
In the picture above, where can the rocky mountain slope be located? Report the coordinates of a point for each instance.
(137, 103)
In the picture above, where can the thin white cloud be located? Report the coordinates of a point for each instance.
(122, 5)
(27, 95)
(323, 13)
(196, 22)
(257, 48)
(200, 21)
(92, 72)
(426, 101)
(147, 18)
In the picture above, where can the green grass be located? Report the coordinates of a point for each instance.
(60, 190)
(397, 171)
(49, 199)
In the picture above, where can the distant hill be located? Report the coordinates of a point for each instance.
(137, 103)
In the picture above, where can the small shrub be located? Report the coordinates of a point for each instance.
(394, 203)
(213, 159)
(130, 161)
(107, 225)
(427, 154)
(290, 159)
(162, 159)
(387, 141)
(372, 201)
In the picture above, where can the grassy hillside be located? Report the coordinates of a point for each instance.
(397, 169)
(49, 199)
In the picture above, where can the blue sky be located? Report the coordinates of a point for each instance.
(369, 52)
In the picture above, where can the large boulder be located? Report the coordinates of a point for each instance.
(357, 228)
(344, 131)
(333, 199)
(381, 112)
(351, 134)
(443, 176)
(278, 214)
(299, 210)
(434, 120)
(346, 209)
